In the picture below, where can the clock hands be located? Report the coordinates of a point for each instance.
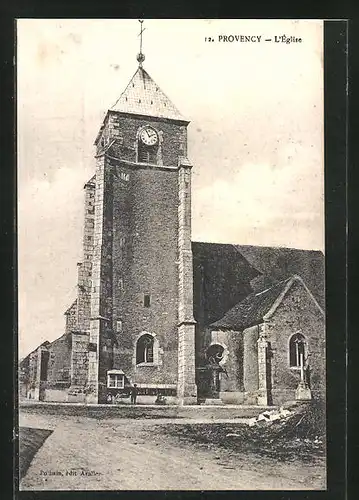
(149, 136)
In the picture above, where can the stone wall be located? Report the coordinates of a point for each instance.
(221, 277)
(123, 128)
(85, 268)
(296, 313)
(59, 366)
(71, 317)
(48, 367)
(250, 359)
(135, 252)
(239, 383)
(187, 390)
(79, 359)
(145, 230)
(231, 381)
(99, 291)
(33, 360)
(56, 395)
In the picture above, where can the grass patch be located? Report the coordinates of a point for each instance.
(299, 437)
(30, 441)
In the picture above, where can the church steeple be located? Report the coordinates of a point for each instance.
(142, 276)
(143, 96)
(140, 55)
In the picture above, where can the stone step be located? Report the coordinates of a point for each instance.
(211, 402)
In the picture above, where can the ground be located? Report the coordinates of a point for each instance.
(30, 441)
(84, 453)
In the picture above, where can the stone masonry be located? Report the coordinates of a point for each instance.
(142, 245)
(96, 321)
(187, 390)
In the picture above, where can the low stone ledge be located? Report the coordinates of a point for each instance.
(103, 411)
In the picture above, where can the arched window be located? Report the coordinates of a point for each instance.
(144, 349)
(297, 350)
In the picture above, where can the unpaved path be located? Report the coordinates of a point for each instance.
(124, 454)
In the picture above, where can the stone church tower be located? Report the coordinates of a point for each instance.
(140, 262)
(244, 324)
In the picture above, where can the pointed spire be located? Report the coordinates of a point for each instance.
(140, 55)
(144, 97)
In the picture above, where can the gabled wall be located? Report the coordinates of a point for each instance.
(296, 313)
(59, 367)
(71, 317)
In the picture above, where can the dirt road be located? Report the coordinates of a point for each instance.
(124, 454)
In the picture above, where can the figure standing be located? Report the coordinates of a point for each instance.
(134, 394)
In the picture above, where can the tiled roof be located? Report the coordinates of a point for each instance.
(224, 274)
(222, 278)
(91, 182)
(143, 96)
(278, 263)
(259, 305)
(252, 309)
(24, 361)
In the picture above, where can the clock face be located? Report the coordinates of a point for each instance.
(149, 136)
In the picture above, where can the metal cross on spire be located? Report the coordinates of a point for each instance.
(140, 55)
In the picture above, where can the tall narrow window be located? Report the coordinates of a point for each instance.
(297, 350)
(44, 360)
(147, 154)
(147, 300)
(144, 349)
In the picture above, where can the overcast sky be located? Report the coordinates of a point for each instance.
(255, 138)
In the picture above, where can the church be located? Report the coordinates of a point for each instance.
(189, 322)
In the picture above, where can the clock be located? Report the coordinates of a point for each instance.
(149, 136)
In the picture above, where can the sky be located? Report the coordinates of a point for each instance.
(255, 138)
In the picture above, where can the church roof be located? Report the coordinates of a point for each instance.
(222, 278)
(225, 274)
(251, 310)
(143, 96)
(278, 263)
(91, 182)
(25, 360)
(257, 306)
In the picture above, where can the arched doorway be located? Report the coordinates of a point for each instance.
(209, 384)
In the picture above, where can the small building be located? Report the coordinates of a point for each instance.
(267, 346)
